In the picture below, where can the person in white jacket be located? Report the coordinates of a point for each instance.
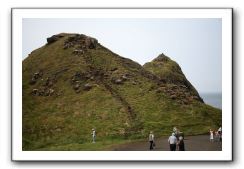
(211, 133)
(172, 142)
(151, 140)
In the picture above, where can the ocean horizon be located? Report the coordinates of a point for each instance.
(212, 99)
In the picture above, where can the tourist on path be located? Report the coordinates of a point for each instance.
(93, 136)
(220, 133)
(181, 144)
(172, 142)
(211, 132)
(217, 136)
(151, 140)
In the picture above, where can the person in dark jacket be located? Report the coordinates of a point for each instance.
(181, 144)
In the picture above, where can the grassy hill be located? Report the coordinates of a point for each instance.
(73, 84)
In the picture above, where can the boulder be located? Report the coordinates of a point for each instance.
(68, 45)
(51, 91)
(78, 76)
(34, 92)
(173, 97)
(113, 69)
(76, 86)
(183, 86)
(41, 92)
(81, 42)
(87, 86)
(78, 90)
(35, 77)
(106, 76)
(88, 75)
(90, 43)
(78, 52)
(124, 77)
(32, 81)
(174, 86)
(53, 38)
(118, 81)
(161, 89)
(49, 82)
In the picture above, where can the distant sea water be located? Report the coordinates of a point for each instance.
(212, 99)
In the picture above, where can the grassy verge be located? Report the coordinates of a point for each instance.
(100, 145)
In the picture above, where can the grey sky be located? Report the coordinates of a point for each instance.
(195, 44)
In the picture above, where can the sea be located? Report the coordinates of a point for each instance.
(212, 99)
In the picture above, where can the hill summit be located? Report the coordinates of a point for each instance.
(73, 84)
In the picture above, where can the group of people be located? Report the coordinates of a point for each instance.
(215, 135)
(175, 141)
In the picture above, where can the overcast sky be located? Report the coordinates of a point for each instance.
(195, 44)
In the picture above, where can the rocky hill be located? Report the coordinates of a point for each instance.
(173, 81)
(73, 84)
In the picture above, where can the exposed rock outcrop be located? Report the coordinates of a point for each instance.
(81, 43)
(54, 38)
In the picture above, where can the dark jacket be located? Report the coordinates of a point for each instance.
(181, 145)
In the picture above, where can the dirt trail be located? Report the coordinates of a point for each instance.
(192, 143)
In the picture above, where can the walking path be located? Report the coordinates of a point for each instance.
(192, 143)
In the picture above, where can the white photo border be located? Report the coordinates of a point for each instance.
(17, 14)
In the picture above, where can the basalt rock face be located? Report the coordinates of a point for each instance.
(54, 38)
(73, 84)
(80, 42)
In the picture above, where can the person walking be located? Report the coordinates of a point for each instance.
(151, 140)
(220, 133)
(93, 136)
(211, 132)
(172, 142)
(216, 138)
(181, 144)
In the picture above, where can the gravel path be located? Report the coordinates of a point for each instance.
(192, 143)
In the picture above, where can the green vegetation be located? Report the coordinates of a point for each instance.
(169, 72)
(75, 84)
